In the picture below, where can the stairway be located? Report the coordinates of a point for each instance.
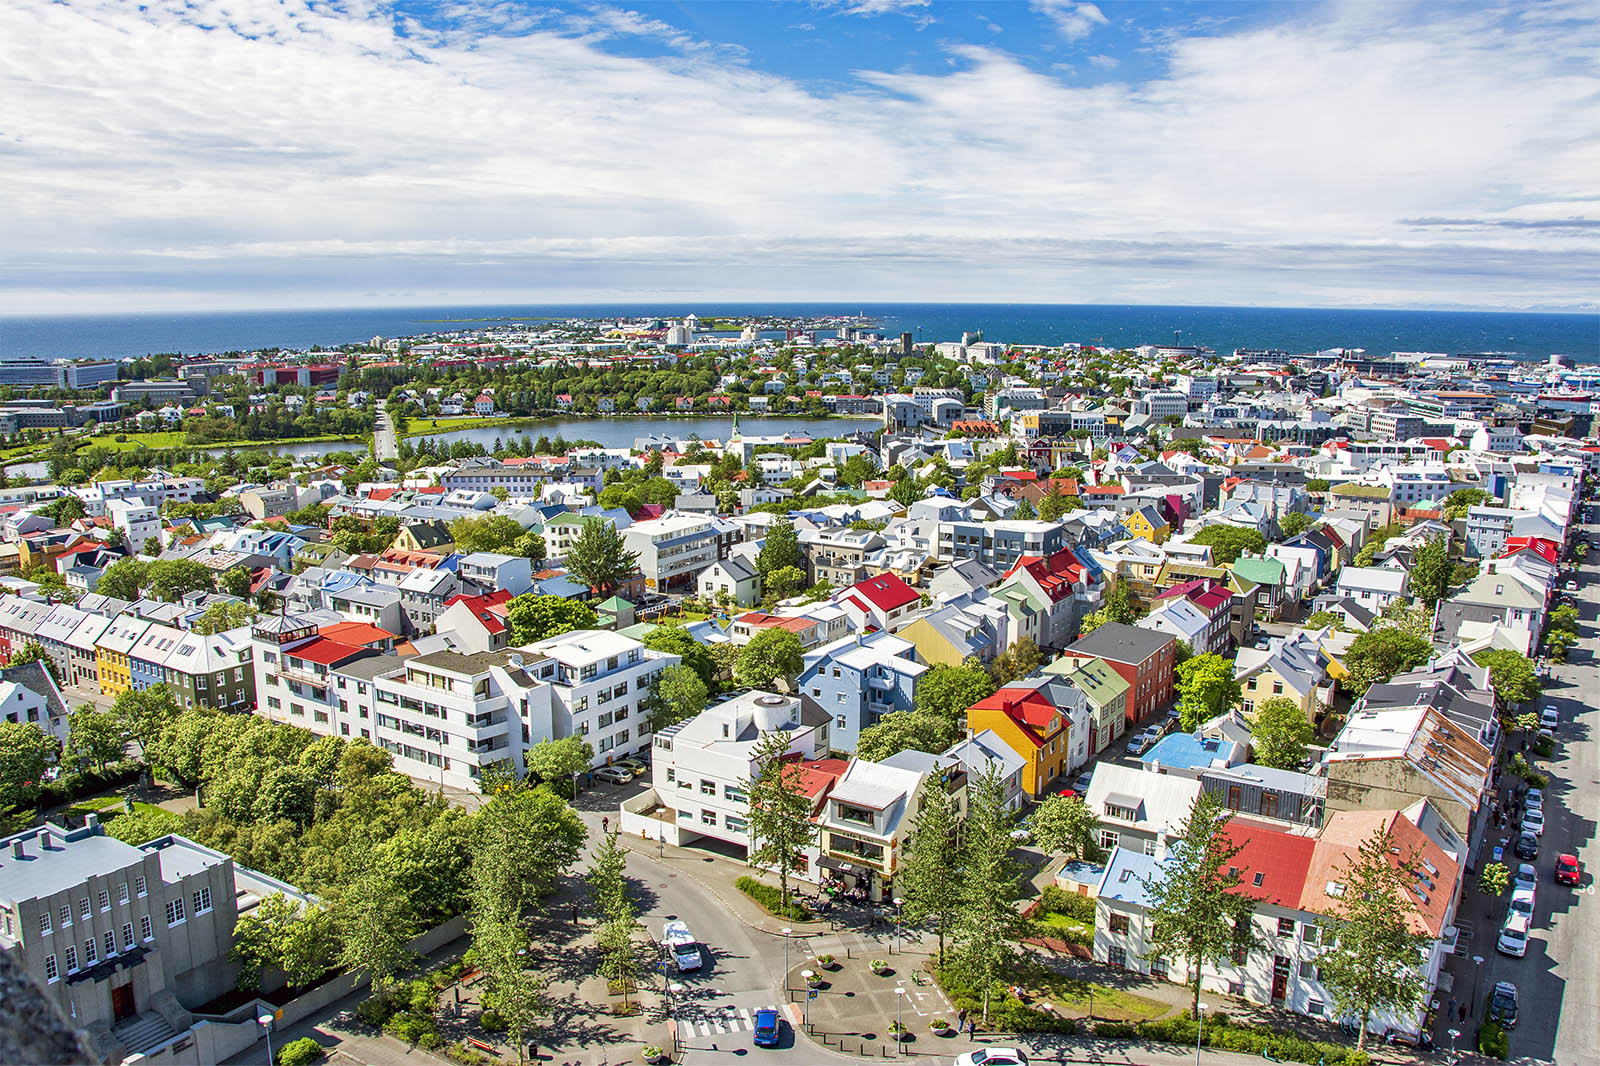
(143, 1032)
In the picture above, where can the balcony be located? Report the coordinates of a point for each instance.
(303, 675)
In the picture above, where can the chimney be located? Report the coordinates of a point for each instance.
(17, 850)
(90, 821)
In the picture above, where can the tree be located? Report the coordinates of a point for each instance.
(172, 579)
(1459, 502)
(608, 892)
(1066, 824)
(1411, 618)
(92, 737)
(1206, 688)
(1494, 879)
(929, 879)
(947, 691)
(1294, 523)
(674, 639)
(34, 652)
(1372, 963)
(1324, 619)
(780, 549)
(371, 939)
(1196, 912)
(500, 949)
(599, 558)
(534, 618)
(771, 655)
(529, 546)
(1431, 570)
(1512, 676)
(781, 828)
(490, 533)
(905, 492)
(1023, 510)
(557, 762)
(123, 579)
(299, 940)
(143, 713)
(1227, 542)
(1376, 656)
(223, 616)
(1280, 734)
(899, 731)
(236, 581)
(676, 695)
(26, 751)
(782, 583)
(1019, 660)
(987, 925)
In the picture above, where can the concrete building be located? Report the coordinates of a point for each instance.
(600, 683)
(859, 679)
(672, 549)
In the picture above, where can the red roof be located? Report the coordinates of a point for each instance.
(762, 620)
(1104, 490)
(356, 634)
(323, 651)
(887, 592)
(1056, 574)
(1033, 713)
(1543, 548)
(818, 775)
(489, 609)
(379, 495)
(1278, 859)
(1205, 593)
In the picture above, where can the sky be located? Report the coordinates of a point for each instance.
(212, 154)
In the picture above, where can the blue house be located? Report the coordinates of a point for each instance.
(859, 679)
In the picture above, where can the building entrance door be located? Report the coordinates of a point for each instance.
(122, 1003)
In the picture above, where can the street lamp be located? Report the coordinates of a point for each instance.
(1199, 1027)
(1477, 971)
(899, 1020)
(898, 903)
(805, 1010)
(786, 931)
(1453, 1034)
(266, 1021)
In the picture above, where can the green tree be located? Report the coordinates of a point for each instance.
(780, 550)
(675, 696)
(1459, 502)
(143, 713)
(947, 691)
(1017, 661)
(172, 579)
(617, 915)
(530, 546)
(771, 655)
(1512, 676)
(1206, 688)
(489, 533)
(1494, 879)
(905, 492)
(236, 581)
(534, 618)
(223, 616)
(599, 558)
(900, 731)
(557, 762)
(1371, 965)
(930, 871)
(781, 828)
(145, 825)
(674, 639)
(501, 950)
(371, 939)
(1295, 523)
(987, 926)
(1197, 912)
(26, 751)
(1066, 824)
(1431, 570)
(92, 737)
(1376, 656)
(1280, 734)
(34, 652)
(783, 582)
(1023, 510)
(123, 579)
(1227, 542)
(298, 939)
(1321, 619)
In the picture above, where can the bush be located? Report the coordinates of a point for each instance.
(1224, 1034)
(375, 1010)
(1116, 1030)
(1493, 1042)
(70, 787)
(1059, 901)
(771, 898)
(431, 1040)
(300, 1052)
(491, 1021)
(1007, 1013)
(411, 1027)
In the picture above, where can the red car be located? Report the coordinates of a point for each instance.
(1569, 871)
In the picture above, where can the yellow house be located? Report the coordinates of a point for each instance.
(1032, 726)
(1147, 524)
(941, 644)
(1296, 667)
(426, 536)
(111, 654)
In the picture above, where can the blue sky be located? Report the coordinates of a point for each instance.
(281, 153)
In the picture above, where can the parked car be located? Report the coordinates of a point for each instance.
(1137, 745)
(1522, 903)
(1569, 871)
(1081, 782)
(1525, 877)
(993, 1056)
(1533, 821)
(634, 766)
(1549, 718)
(1503, 1004)
(1527, 845)
(1513, 937)
(767, 1028)
(615, 775)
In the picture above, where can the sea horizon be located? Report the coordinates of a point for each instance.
(1527, 335)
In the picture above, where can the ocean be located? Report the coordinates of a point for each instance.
(1521, 334)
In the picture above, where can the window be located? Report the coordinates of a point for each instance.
(708, 788)
(708, 817)
(737, 825)
(1269, 804)
(105, 900)
(175, 911)
(111, 943)
(50, 972)
(1109, 839)
(1277, 688)
(734, 795)
(1150, 847)
(44, 922)
(83, 907)
(1233, 797)
(1119, 924)
(839, 721)
(1286, 927)
(145, 929)
(66, 914)
(72, 959)
(127, 936)
(90, 956)
(202, 900)
(1117, 957)
(122, 892)
(1158, 968)
(1315, 1008)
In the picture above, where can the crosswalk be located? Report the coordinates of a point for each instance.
(715, 1021)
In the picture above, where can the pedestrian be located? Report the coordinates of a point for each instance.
(1463, 1017)
(1450, 1011)
(961, 1019)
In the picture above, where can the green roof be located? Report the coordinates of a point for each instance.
(1263, 571)
(1369, 492)
(615, 604)
(639, 630)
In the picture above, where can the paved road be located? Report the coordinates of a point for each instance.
(1559, 978)
(384, 444)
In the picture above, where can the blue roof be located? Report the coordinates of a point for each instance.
(1184, 749)
(1126, 872)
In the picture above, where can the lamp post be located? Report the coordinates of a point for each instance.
(1199, 1028)
(898, 903)
(899, 1020)
(1453, 1034)
(266, 1022)
(805, 1011)
(673, 989)
(1477, 971)
(786, 931)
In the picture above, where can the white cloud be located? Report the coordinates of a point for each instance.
(241, 151)
(1075, 20)
(1104, 62)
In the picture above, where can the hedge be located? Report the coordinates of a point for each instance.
(300, 1052)
(1225, 1034)
(75, 786)
(1007, 1013)
(1057, 900)
(772, 899)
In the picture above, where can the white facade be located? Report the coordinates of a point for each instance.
(138, 521)
(600, 682)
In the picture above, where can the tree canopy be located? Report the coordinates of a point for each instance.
(1206, 689)
(899, 731)
(1227, 542)
(947, 691)
(1281, 734)
(772, 655)
(600, 559)
(533, 618)
(1376, 656)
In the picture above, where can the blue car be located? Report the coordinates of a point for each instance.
(767, 1027)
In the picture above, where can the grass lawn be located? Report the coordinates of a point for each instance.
(175, 439)
(95, 803)
(1066, 925)
(427, 427)
(1072, 994)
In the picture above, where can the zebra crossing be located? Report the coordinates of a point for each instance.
(715, 1021)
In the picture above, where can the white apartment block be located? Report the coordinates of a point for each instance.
(136, 520)
(673, 548)
(154, 492)
(600, 683)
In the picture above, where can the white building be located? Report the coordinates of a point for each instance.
(600, 685)
(136, 520)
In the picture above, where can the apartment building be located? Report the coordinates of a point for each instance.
(673, 549)
(294, 672)
(838, 554)
(1144, 659)
(600, 683)
(859, 679)
(112, 667)
(868, 815)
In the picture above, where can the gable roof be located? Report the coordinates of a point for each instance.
(886, 592)
(1119, 643)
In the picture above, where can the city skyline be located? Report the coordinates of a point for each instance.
(184, 156)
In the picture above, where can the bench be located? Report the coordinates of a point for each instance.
(481, 1046)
